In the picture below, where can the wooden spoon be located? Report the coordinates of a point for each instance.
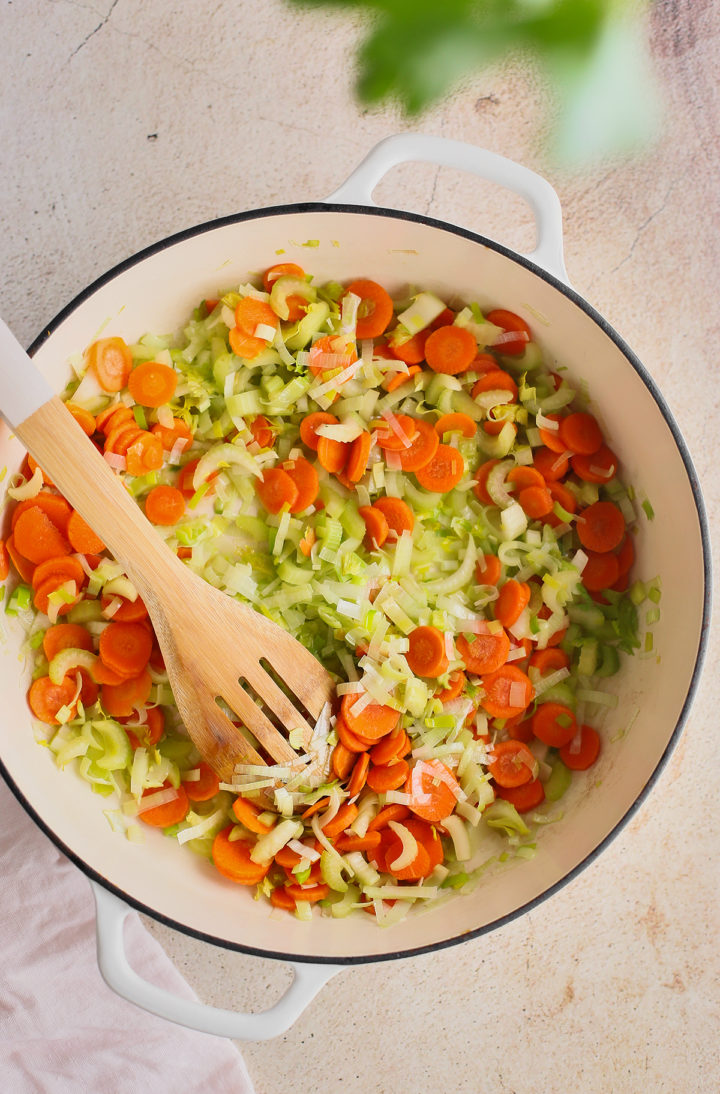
(211, 643)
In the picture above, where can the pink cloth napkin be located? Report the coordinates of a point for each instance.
(62, 1030)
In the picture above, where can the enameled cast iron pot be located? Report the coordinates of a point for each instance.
(154, 291)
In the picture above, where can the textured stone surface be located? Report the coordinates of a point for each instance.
(123, 121)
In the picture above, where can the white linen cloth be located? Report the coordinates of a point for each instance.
(62, 1030)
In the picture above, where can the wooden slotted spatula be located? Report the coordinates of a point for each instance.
(211, 643)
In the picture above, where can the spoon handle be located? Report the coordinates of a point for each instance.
(53, 437)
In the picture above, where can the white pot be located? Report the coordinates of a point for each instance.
(154, 291)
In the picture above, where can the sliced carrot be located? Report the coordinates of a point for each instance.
(204, 788)
(450, 350)
(560, 493)
(397, 513)
(489, 570)
(484, 362)
(455, 423)
(251, 313)
(244, 346)
(164, 505)
(248, 813)
(280, 899)
(24, 567)
(393, 747)
(344, 817)
(41, 599)
(549, 660)
(263, 433)
(524, 798)
(348, 842)
(496, 380)
(53, 505)
(412, 350)
(64, 636)
(422, 448)
(83, 417)
(579, 757)
(419, 868)
(384, 777)
(46, 698)
(120, 437)
(145, 454)
(375, 309)
(551, 437)
(150, 732)
(288, 859)
(64, 568)
(519, 728)
(600, 467)
(481, 478)
(337, 346)
(310, 424)
(103, 675)
(431, 786)
(152, 384)
(81, 536)
(354, 741)
(536, 501)
(512, 763)
(426, 654)
(551, 465)
(111, 417)
(600, 527)
(389, 440)
(281, 269)
(126, 647)
(394, 812)
(122, 699)
(359, 775)
(186, 476)
(522, 477)
(376, 526)
(580, 433)
(443, 471)
(308, 541)
(509, 321)
(396, 379)
(600, 571)
(311, 894)
(456, 686)
(513, 598)
(372, 722)
(333, 455)
(110, 360)
(232, 859)
(37, 537)
(170, 435)
(554, 724)
(130, 611)
(276, 490)
(342, 761)
(508, 691)
(485, 653)
(357, 461)
(625, 555)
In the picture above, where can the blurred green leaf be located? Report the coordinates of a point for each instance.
(417, 51)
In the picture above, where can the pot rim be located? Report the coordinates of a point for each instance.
(642, 372)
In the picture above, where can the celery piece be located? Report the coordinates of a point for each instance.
(505, 817)
(559, 781)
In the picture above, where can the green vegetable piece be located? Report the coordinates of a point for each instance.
(559, 781)
(505, 817)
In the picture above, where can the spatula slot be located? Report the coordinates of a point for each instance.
(286, 688)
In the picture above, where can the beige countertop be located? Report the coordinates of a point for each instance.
(124, 121)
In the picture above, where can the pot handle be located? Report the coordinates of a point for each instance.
(121, 977)
(534, 189)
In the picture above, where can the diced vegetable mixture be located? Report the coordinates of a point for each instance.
(412, 490)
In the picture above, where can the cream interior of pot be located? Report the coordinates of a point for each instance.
(156, 294)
